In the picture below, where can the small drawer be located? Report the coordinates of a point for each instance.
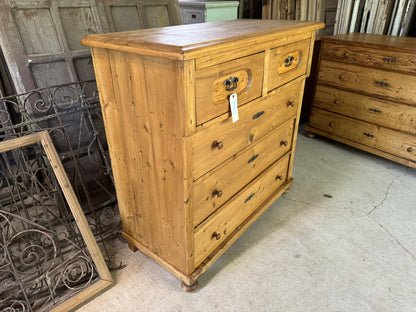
(287, 63)
(390, 85)
(220, 140)
(384, 113)
(383, 139)
(370, 57)
(210, 234)
(214, 189)
(215, 84)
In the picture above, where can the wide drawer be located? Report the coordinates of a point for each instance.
(222, 139)
(370, 57)
(287, 63)
(391, 85)
(388, 114)
(222, 223)
(383, 139)
(215, 84)
(214, 189)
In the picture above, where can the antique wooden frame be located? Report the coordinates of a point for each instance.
(105, 278)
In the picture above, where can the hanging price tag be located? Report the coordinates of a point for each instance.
(234, 106)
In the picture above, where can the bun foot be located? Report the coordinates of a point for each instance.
(189, 288)
(287, 190)
(310, 134)
(132, 247)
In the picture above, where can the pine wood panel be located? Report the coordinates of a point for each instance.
(370, 57)
(288, 62)
(387, 114)
(146, 150)
(248, 163)
(197, 40)
(229, 217)
(256, 119)
(383, 139)
(391, 85)
(212, 97)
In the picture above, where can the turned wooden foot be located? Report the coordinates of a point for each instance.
(310, 134)
(287, 190)
(132, 247)
(189, 288)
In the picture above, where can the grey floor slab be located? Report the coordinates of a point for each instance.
(343, 239)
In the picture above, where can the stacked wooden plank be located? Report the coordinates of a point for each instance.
(391, 17)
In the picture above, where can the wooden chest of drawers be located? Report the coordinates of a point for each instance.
(189, 181)
(366, 94)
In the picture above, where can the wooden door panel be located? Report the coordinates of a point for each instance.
(37, 30)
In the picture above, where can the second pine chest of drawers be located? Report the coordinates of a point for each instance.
(366, 94)
(189, 181)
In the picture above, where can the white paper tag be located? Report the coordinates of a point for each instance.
(234, 106)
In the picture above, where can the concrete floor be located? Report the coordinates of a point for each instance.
(354, 251)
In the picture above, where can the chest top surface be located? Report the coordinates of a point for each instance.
(187, 38)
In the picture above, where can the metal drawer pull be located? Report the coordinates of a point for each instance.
(259, 114)
(217, 193)
(279, 177)
(289, 61)
(216, 235)
(253, 158)
(230, 83)
(368, 135)
(284, 142)
(381, 84)
(374, 110)
(248, 198)
(217, 144)
(291, 103)
(389, 60)
(410, 149)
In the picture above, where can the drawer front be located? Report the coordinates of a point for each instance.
(215, 84)
(383, 113)
(221, 224)
(370, 57)
(211, 191)
(394, 86)
(386, 140)
(287, 63)
(221, 140)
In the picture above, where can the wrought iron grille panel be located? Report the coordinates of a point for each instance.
(43, 257)
(71, 113)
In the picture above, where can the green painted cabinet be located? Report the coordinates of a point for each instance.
(208, 11)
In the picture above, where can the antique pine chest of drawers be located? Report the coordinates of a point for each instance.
(188, 179)
(366, 94)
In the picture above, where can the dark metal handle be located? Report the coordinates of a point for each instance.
(289, 60)
(230, 83)
(279, 177)
(382, 84)
(216, 235)
(368, 135)
(253, 158)
(258, 115)
(250, 197)
(284, 142)
(374, 110)
(291, 103)
(217, 144)
(217, 193)
(410, 149)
